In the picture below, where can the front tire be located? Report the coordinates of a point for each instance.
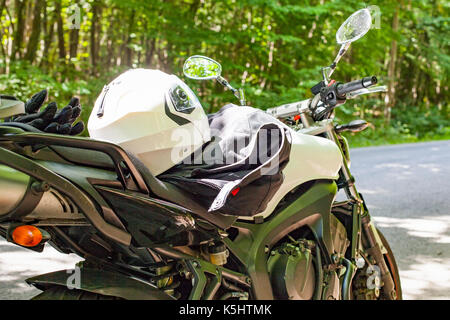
(360, 283)
(392, 265)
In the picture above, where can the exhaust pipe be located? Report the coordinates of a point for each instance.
(23, 198)
(13, 187)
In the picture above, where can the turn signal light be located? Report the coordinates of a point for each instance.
(27, 236)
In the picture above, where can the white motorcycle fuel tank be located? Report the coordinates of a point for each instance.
(311, 158)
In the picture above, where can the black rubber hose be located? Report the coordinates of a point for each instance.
(348, 277)
(319, 275)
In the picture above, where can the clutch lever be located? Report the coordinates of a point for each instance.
(354, 94)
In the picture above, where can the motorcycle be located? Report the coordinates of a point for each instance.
(144, 238)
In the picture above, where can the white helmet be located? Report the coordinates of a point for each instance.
(154, 115)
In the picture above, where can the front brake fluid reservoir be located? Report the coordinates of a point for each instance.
(218, 254)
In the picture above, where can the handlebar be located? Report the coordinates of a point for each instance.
(343, 89)
(330, 96)
(290, 109)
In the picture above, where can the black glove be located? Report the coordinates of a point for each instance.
(50, 120)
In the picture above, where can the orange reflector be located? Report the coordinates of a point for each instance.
(27, 236)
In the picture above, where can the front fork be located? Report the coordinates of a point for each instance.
(364, 233)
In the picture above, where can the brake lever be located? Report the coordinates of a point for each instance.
(357, 93)
(353, 126)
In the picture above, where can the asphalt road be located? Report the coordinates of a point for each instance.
(407, 190)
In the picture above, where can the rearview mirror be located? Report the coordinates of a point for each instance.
(201, 68)
(356, 26)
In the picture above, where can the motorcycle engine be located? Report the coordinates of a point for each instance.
(291, 270)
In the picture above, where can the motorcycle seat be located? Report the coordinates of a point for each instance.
(86, 157)
(69, 149)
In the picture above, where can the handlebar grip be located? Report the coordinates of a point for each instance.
(345, 88)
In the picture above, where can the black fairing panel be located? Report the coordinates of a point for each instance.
(153, 222)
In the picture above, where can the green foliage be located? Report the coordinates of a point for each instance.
(272, 48)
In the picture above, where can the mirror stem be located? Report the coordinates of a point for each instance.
(242, 97)
(237, 93)
(225, 83)
(342, 51)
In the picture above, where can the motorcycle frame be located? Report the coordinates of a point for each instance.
(312, 208)
(364, 233)
(326, 129)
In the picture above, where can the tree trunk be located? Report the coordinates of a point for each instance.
(74, 38)
(95, 35)
(149, 52)
(60, 30)
(73, 43)
(2, 48)
(111, 40)
(391, 72)
(33, 41)
(128, 51)
(49, 30)
(28, 15)
(2, 6)
(19, 6)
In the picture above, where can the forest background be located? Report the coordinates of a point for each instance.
(272, 48)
